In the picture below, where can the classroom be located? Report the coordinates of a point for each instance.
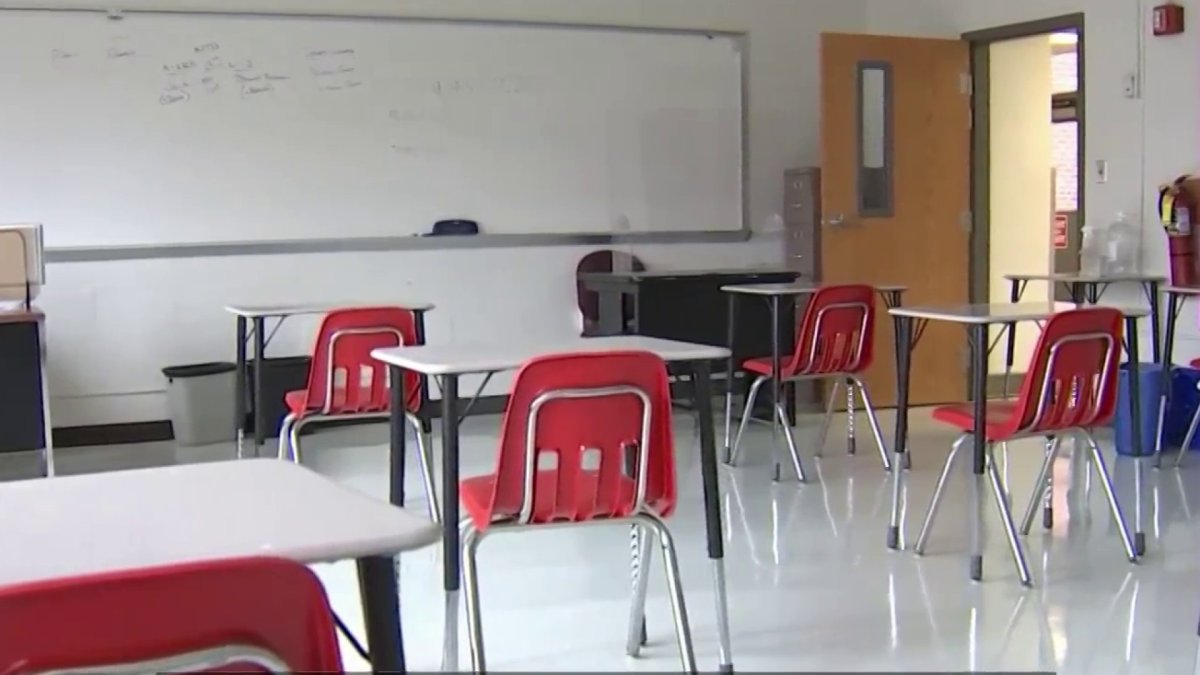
(773, 335)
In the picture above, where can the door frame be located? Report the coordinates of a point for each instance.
(980, 44)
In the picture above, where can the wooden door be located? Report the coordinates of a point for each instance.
(895, 191)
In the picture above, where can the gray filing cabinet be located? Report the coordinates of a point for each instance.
(801, 221)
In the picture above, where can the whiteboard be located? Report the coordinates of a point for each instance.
(159, 129)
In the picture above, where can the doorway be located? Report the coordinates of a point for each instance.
(1027, 156)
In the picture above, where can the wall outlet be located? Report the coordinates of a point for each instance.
(1130, 86)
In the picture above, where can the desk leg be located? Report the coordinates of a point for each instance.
(451, 546)
(379, 589)
(904, 338)
(397, 426)
(239, 395)
(1168, 348)
(729, 373)
(260, 415)
(1155, 299)
(1015, 291)
(712, 507)
(1135, 419)
(779, 398)
(979, 368)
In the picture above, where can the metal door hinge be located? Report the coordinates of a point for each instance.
(966, 84)
(966, 220)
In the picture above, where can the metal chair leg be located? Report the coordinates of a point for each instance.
(294, 439)
(823, 436)
(1110, 495)
(1040, 485)
(284, 429)
(750, 399)
(1010, 528)
(1187, 438)
(931, 514)
(683, 630)
(470, 547)
(641, 582)
(851, 439)
(425, 457)
(797, 465)
(873, 420)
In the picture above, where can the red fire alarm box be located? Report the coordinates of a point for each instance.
(1168, 19)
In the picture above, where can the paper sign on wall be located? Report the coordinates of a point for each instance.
(1061, 236)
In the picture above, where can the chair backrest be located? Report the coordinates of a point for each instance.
(257, 614)
(344, 379)
(603, 261)
(837, 333)
(1072, 379)
(596, 430)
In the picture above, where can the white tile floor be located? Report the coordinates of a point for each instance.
(811, 585)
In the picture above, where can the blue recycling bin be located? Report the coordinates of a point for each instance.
(1185, 397)
(1150, 388)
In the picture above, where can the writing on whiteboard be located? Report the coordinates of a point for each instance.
(333, 69)
(173, 97)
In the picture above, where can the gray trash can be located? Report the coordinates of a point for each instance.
(200, 397)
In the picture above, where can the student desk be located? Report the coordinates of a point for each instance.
(977, 319)
(1089, 289)
(121, 520)
(891, 295)
(256, 316)
(24, 401)
(449, 362)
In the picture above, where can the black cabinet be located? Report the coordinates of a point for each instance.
(691, 307)
(22, 419)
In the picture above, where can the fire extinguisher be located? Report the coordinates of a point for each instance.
(1177, 208)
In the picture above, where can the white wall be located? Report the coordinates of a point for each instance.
(1147, 141)
(1020, 176)
(113, 325)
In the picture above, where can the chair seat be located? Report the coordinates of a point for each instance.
(476, 495)
(762, 366)
(295, 401)
(997, 416)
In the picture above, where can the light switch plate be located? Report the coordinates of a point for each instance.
(1102, 171)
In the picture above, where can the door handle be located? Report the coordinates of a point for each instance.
(835, 220)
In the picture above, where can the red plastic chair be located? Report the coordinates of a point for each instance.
(586, 439)
(346, 383)
(836, 342)
(1070, 386)
(249, 615)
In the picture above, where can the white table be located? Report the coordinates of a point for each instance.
(1089, 289)
(892, 296)
(977, 319)
(449, 362)
(258, 316)
(120, 520)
